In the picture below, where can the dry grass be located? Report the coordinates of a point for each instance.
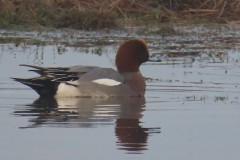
(206, 8)
(96, 14)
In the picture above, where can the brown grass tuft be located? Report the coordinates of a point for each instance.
(97, 14)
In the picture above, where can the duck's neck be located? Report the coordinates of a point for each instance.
(136, 81)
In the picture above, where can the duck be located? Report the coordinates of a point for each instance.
(94, 81)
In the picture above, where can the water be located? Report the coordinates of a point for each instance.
(191, 109)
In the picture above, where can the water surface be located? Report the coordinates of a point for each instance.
(190, 110)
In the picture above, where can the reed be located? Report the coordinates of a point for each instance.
(98, 14)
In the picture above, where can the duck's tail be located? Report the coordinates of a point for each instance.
(41, 86)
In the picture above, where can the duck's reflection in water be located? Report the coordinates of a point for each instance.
(125, 113)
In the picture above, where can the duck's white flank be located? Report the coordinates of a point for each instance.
(66, 90)
(107, 82)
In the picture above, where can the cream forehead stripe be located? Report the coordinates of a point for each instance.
(107, 82)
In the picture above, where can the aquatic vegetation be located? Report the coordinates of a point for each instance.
(98, 14)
